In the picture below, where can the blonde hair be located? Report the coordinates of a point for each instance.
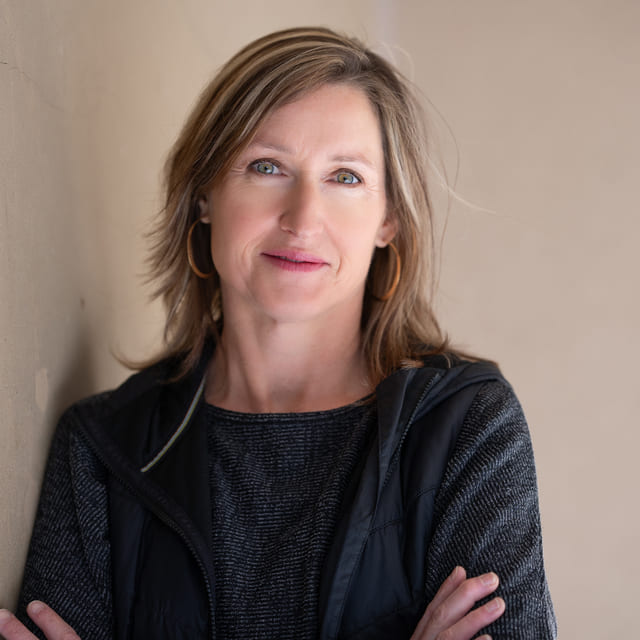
(272, 71)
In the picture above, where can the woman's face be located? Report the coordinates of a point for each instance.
(295, 221)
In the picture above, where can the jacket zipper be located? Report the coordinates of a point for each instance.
(392, 463)
(167, 520)
(403, 437)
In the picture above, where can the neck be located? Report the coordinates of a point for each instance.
(275, 368)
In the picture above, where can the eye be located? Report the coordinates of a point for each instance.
(346, 177)
(265, 167)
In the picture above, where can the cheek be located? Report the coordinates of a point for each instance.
(227, 221)
(236, 230)
(361, 229)
(357, 244)
(243, 210)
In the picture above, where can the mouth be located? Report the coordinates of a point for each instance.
(296, 257)
(292, 260)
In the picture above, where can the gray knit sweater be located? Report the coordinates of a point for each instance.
(277, 482)
(488, 499)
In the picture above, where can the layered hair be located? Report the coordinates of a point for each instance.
(268, 73)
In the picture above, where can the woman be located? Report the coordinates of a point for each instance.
(306, 459)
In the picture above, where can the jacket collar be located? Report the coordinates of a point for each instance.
(167, 408)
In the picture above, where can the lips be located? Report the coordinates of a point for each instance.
(294, 256)
(292, 260)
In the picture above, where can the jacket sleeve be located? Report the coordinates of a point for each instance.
(68, 564)
(488, 517)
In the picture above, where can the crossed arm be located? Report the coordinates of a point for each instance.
(449, 616)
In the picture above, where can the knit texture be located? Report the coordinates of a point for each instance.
(486, 518)
(69, 564)
(487, 515)
(277, 482)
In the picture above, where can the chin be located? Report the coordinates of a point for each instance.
(291, 307)
(290, 311)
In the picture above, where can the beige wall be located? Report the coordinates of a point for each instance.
(542, 98)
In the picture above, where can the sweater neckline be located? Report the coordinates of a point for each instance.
(335, 412)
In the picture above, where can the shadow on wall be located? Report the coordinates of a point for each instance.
(78, 380)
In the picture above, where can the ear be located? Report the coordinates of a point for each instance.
(203, 205)
(387, 231)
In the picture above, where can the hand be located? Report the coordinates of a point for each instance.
(449, 615)
(54, 627)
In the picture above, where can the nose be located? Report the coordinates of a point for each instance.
(302, 212)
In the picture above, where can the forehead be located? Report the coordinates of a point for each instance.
(334, 115)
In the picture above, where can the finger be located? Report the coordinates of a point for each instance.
(476, 620)
(455, 579)
(12, 629)
(451, 583)
(459, 603)
(54, 627)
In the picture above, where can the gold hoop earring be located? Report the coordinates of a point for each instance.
(396, 277)
(192, 262)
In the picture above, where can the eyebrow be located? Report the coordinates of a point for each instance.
(355, 157)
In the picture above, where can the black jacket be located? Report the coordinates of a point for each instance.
(376, 582)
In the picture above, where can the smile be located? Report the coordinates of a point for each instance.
(294, 261)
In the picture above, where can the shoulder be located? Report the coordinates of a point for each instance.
(138, 418)
(460, 383)
(465, 404)
(455, 374)
(494, 441)
(491, 417)
(495, 412)
(135, 389)
(141, 393)
(423, 411)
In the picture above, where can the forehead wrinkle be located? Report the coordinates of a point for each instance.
(257, 142)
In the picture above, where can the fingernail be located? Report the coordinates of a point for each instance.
(4, 615)
(458, 573)
(494, 605)
(488, 579)
(35, 607)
